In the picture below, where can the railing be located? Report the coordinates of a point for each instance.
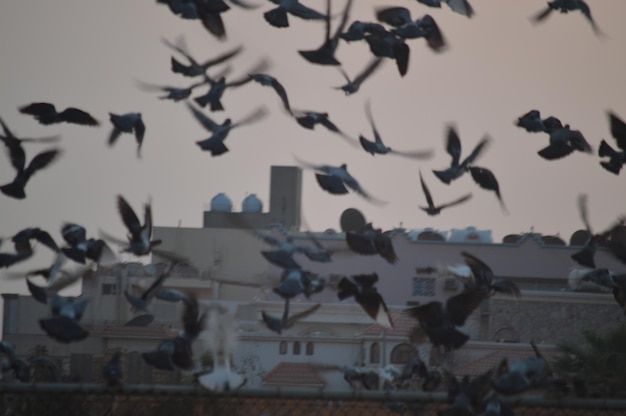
(179, 400)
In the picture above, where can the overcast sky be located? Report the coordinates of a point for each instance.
(498, 66)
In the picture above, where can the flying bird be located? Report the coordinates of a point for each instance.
(531, 122)
(385, 44)
(353, 86)
(277, 16)
(563, 140)
(270, 81)
(16, 188)
(453, 147)
(378, 147)
(325, 54)
(431, 209)
(195, 68)
(286, 322)
(617, 159)
(46, 113)
(566, 6)
(64, 324)
(361, 288)
(215, 143)
(127, 123)
(23, 248)
(487, 180)
(483, 277)
(461, 7)
(405, 27)
(369, 241)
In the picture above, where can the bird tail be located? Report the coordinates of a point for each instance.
(277, 17)
(346, 288)
(606, 150)
(13, 190)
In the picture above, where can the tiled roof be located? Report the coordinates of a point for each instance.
(493, 358)
(402, 326)
(294, 374)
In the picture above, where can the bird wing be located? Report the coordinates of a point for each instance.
(77, 116)
(41, 161)
(477, 151)
(618, 130)
(455, 202)
(37, 109)
(203, 119)
(222, 58)
(256, 115)
(453, 145)
(130, 219)
(480, 270)
(582, 209)
(370, 118)
(369, 70)
(460, 306)
(429, 198)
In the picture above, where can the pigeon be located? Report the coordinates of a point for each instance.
(531, 122)
(616, 159)
(140, 241)
(270, 81)
(325, 54)
(378, 147)
(286, 322)
(295, 282)
(22, 245)
(309, 119)
(518, 376)
(484, 278)
(127, 123)
(17, 155)
(565, 6)
(46, 113)
(353, 86)
(461, 7)
(336, 180)
(406, 28)
(386, 44)
(172, 93)
(585, 256)
(359, 378)
(453, 147)
(361, 287)
(112, 373)
(196, 68)
(433, 210)
(369, 241)
(63, 326)
(487, 180)
(563, 140)
(140, 303)
(15, 189)
(215, 143)
(357, 30)
(9, 361)
(79, 248)
(277, 16)
(439, 321)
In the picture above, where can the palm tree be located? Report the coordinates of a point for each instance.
(597, 366)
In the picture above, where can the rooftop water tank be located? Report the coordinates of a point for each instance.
(221, 203)
(252, 204)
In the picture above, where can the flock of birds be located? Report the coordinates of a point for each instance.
(387, 38)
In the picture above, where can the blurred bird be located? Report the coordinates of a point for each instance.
(453, 147)
(353, 86)
(369, 241)
(270, 81)
(483, 277)
(362, 288)
(378, 147)
(17, 155)
(127, 123)
(10, 362)
(172, 93)
(433, 210)
(286, 322)
(531, 122)
(294, 282)
(407, 28)
(386, 44)
(563, 140)
(64, 324)
(518, 376)
(325, 54)
(112, 373)
(277, 17)
(80, 249)
(15, 189)
(23, 247)
(565, 6)
(487, 180)
(196, 68)
(215, 143)
(46, 113)
(616, 159)
(585, 256)
(461, 7)
(357, 30)
(336, 180)
(140, 303)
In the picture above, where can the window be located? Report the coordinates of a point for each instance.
(423, 286)
(296, 348)
(309, 348)
(109, 289)
(375, 353)
(282, 347)
(402, 354)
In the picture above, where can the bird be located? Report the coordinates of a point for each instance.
(358, 29)
(563, 140)
(277, 16)
(172, 93)
(23, 248)
(585, 256)
(325, 54)
(483, 277)
(215, 143)
(361, 288)
(453, 147)
(520, 375)
(487, 180)
(139, 239)
(294, 282)
(64, 324)
(140, 303)
(354, 85)
(378, 147)
(369, 241)
(617, 159)
(127, 123)
(566, 6)
(17, 155)
(79, 248)
(286, 322)
(112, 373)
(531, 122)
(439, 321)
(195, 68)
(461, 7)
(270, 81)
(11, 362)
(433, 210)
(16, 188)
(385, 44)
(336, 180)
(405, 27)
(46, 113)
(309, 119)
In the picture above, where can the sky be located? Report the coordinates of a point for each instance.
(498, 65)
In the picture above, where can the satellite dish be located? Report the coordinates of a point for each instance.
(430, 236)
(352, 220)
(141, 320)
(511, 238)
(579, 238)
(552, 240)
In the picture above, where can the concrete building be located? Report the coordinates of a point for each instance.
(228, 267)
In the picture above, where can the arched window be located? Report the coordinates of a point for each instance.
(309, 348)
(375, 353)
(402, 353)
(296, 348)
(282, 347)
